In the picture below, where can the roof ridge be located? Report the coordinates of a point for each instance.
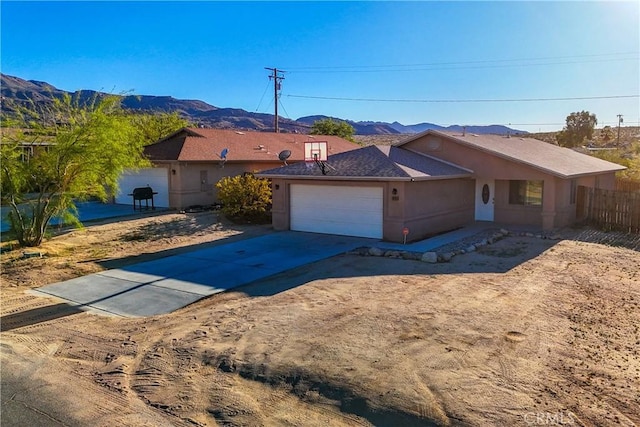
(395, 164)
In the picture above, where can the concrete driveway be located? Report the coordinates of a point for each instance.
(167, 284)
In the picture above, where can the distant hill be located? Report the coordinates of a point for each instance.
(18, 91)
(15, 90)
(361, 128)
(384, 128)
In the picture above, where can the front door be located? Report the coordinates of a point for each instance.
(485, 189)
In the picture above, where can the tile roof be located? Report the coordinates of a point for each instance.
(558, 161)
(374, 162)
(195, 144)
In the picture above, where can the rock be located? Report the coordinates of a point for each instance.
(504, 232)
(226, 365)
(446, 257)
(538, 236)
(376, 251)
(490, 241)
(528, 234)
(481, 243)
(555, 237)
(415, 256)
(362, 251)
(470, 248)
(430, 257)
(461, 252)
(392, 254)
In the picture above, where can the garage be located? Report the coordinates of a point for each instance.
(344, 210)
(156, 178)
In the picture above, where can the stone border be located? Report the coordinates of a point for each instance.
(447, 252)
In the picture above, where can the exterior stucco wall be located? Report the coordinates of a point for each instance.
(556, 210)
(506, 213)
(565, 208)
(280, 204)
(186, 186)
(431, 207)
(484, 165)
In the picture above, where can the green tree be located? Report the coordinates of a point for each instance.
(153, 127)
(245, 197)
(607, 134)
(65, 152)
(333, 127)
(579, 127)
(628, 157)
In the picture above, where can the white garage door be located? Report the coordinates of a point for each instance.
(156, 178)
(349, 211)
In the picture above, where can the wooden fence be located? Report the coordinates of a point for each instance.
(625, 184)
(609, 209)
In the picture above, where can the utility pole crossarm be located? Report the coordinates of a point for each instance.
(277, 79)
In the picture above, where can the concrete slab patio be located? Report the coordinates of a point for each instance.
(167, 284)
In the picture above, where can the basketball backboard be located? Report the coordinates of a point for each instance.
(315, 151)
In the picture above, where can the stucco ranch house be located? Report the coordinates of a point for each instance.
(188, 163)
(433, 182)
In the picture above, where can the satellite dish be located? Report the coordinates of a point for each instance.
(223, 154)
(284, 155)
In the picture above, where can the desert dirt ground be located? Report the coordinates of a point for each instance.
(526, 331)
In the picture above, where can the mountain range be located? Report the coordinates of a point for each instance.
(15, 90)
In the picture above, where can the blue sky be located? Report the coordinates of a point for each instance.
(420, 51)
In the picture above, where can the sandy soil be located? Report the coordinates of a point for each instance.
(523, 332)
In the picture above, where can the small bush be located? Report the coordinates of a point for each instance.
(628, 156)
(245, 198)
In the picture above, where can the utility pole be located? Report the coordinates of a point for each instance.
(277, 78)
(619, 121)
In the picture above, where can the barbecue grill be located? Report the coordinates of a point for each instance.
(143, 193)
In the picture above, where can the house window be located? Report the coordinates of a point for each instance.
(572, 192)
(27, 154)
(528, 193)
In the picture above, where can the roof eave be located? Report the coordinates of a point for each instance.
(580, 175)
(439, 160)
(190, 131)
(363, 178)
(413, 138)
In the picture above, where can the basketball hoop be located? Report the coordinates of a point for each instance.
(316, 152)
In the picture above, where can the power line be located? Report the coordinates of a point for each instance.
(468, 62)
(536, 124)
(559, 124)
(464, 100)
(285, 110)
(262, 97)
(497, 63)
(474, 67)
